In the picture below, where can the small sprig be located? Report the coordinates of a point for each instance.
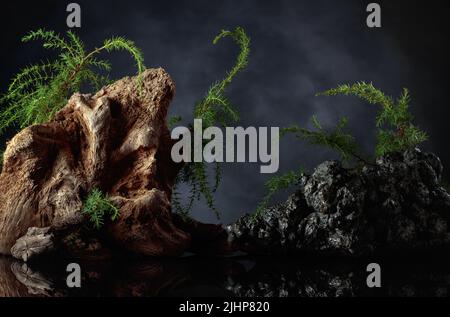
(98, 206)
(215, 108)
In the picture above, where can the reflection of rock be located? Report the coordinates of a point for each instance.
(291, 279)
(116, 140)
(397, 204)
(338, 277)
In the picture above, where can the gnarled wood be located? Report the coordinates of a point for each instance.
(116, 140)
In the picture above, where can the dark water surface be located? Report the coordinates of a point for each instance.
(237, 276)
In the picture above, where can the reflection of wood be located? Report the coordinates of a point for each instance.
(144, 277)
(35, 282)
(9, 285)
(116, 140)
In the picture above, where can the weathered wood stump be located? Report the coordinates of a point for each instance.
(116, 140)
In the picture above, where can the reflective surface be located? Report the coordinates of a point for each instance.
(237, 276)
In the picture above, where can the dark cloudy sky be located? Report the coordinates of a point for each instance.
(298, 48)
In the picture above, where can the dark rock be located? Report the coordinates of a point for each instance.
(396, 204)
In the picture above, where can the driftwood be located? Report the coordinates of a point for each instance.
(116, 140)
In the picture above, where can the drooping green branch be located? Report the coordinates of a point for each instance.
(214, 109)
(39, 91)
(396, 132)
(240, 37)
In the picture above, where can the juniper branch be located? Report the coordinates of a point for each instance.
(396, 132)
(39, 91)
(213, 109)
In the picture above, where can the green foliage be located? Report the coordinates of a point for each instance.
(276, 184)
(38, 91)
(396, 131)
(213, 109)
(174, 120)
(118, 43)
(336, 139)
(394, 123)
(97, 206)
(362, 90)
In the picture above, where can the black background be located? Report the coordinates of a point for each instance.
(298, 48)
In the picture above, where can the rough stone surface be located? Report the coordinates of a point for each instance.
(396, 204)
(116, 140)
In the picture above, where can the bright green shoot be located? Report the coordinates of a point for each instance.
(98, 206)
